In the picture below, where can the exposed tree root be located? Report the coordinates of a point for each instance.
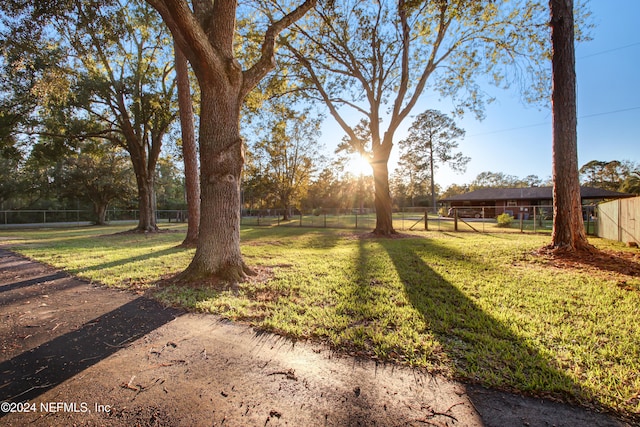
(394, 235)
(188, 244)
(143, 231)
(590, 258)
(584, 249)
(384, 233)
(225, 279)
(149, 229)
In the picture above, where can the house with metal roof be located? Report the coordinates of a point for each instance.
(490, 202)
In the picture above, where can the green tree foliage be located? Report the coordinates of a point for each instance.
(501, 180)
(207, 35)
(38, 183)
(613, 175)
(632, 183)
(112, 80)
(126, 87)
(405, 187)
(324, 191)
(11, 180)
(99, 173)
(335, 190)
(490, 179)
(455, 189)
(432, 141)
(30, 72)
(255, 183)
(287, 150)
(376, 59)
(170, 184)
(96, 173)
(531, 181)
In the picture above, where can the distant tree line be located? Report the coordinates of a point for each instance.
(615, 175)
(85, 81)
(100, 176)
(97, 178)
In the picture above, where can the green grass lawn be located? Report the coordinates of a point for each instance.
(478, 307)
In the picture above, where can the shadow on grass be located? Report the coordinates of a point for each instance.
(303, 236)
(482, 349)
(129, 260)
(324, 240)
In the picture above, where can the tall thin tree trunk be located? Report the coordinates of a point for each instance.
(568, 227)
(189, 150)
(433, 182)
(144, 170)
(146, 203)
(361, 193)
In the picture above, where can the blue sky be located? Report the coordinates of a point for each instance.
(516, 138)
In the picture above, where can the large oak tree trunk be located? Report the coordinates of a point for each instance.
(286, 207)
(189, 150)
(221, 160)
(146, 203)
(382, 201)
(568, 227)
(100, 211)
(206, 34)
(144, 164)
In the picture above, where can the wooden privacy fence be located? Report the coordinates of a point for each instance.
(618, 220)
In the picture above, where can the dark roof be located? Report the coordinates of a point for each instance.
(530, 193)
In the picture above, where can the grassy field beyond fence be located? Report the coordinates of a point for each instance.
(410, 219)
(479, 307)
(407, 219)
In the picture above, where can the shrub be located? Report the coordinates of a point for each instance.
(504, 220)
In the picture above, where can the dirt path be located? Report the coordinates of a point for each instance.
(83, 355)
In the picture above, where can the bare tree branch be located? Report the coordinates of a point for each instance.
(266, 63)
(189, 34)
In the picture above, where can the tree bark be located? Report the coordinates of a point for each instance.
(382, 195)
(221, 159)
(189, 150)
(100, 211)
(568, 226)
(144, 164)
(431, 176)
(146, 203)
(382, 200)
(206, 36)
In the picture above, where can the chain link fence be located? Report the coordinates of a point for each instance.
(483, 219)
(531, 219)
(50, 218)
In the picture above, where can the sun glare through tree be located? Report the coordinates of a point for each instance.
(359, 165)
